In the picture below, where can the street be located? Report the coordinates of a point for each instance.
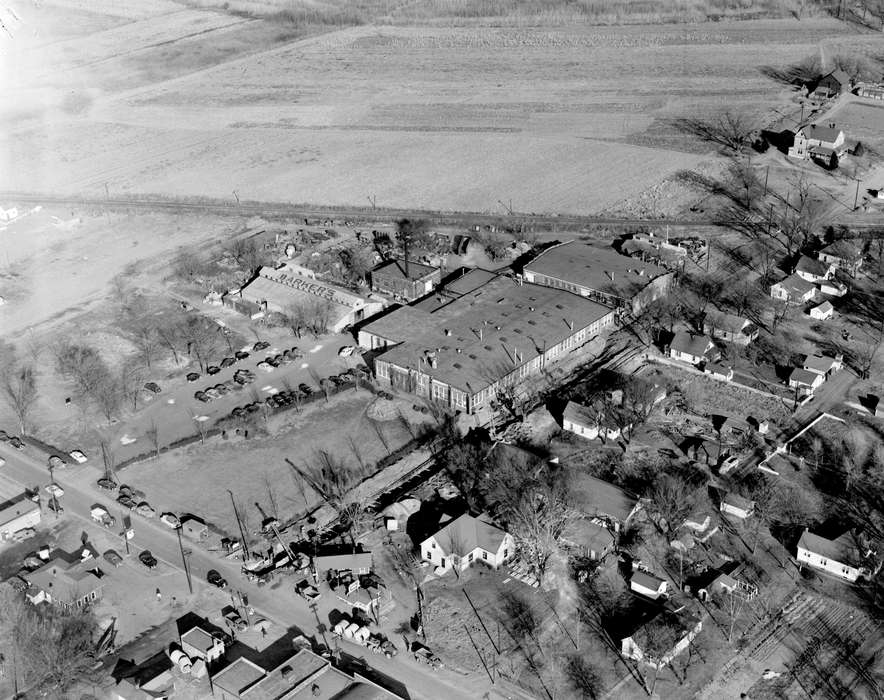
(281, 605)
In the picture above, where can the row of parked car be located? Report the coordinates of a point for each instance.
(240, 378)
(286, 357)
(238, 356)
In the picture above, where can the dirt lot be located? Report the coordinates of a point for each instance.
(196, 479)
(414, 116)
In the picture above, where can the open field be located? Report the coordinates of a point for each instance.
(552, 118)
(195, 479)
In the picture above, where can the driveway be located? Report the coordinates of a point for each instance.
(281, 604)
(175, 420)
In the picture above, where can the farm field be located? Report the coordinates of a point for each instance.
(555, 119)
(195, 479)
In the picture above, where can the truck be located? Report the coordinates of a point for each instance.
(100, 515)
(306, 590)
(423, 655)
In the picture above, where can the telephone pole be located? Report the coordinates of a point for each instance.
(184, 554)
(242, 532)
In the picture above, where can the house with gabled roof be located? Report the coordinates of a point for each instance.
(658, 640)
(844, 255)
(595, 421)
(603, 500)
(813, 270)
(840, 557)
(729, 327)
(829, 138)
(793, 290)
(823, 312)
(734, 504)
(823, 364)
(69, 579)
(588, 538)
(647, 584)
(692, 348)
(832, 84)
(805, 381)
(467, 540)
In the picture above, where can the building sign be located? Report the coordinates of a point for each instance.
(309, 286)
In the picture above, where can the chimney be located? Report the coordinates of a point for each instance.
(570, 324)
(611, 275)
(447, 331)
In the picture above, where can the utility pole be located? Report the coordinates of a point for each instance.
(856, 196)
(766, 176)
(242, 532)
(184, 554)
(237, 197)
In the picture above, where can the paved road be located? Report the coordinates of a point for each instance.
(280, 605)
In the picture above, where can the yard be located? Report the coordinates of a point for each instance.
(196, 479)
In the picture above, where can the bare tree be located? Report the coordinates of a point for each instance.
(170, 334)
(153, 437)
(336, 484)
(20, 392)
(202, 426)
(202, 337)
(319, 314)
(131, 381)
(358, 260)
(297, 317)
(583, 678)
(671, 503)
(537, 522)
(729, 130)
(108, 394)
(50, 645)
(147, 340)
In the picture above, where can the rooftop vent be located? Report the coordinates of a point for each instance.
(559, 306)
(473, 357)
(447, 332)
(457, 365)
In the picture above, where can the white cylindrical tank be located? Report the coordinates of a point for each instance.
(361, 635)
(341, 626)
(181, 660)
(351, 630)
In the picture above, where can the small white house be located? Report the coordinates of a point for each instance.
(844, 255)
(833, 288)
(466, 540)
(719, 370)
(592, 423)
(823, 364)
(839, 557)
(199, 644)
(691, 348)
(793, 290)
(823, 312)
(736, 505)
(647, 584)
(805, 380)
(812, 270)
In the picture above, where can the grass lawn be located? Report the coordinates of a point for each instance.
(196, 479)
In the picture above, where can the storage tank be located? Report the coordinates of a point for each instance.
(351, 630)
(181, 660)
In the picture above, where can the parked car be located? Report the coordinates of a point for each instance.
(24, 534)
(216, 579)
(171, 520)
(272, 361)
(212, 393)
(193, 376)
(54, 490)
(148, 559)
(4, 436)
(240, 354)
(212, 370)
(126, 501)
(221, 389)
(202, 396)
(305, 389)
(227, 362)
(260, 345)
(107, 484)
(112, 558)
(17, 443)
(265, 367)
(78, 456)
(346, 351)
(296, 352)
(144, 509)
(153, 387)
(56, 462)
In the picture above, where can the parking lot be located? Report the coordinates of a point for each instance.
(175, 412)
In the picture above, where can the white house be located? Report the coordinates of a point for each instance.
(793, 290)
(814, 139)
(823, 364)
(199, 644)
(844, 255)
(592, 423)
(662, 638)
(812, 270)
(823, 312)
(647, 584)
(17, 514)
(729, 327)
(719, 370)
(833, 288)
(736, 505)
(840, 557)
(695, 349)
(805, 380)
(465, 540)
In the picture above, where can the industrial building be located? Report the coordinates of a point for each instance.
(405, 280)
(282, 288)
(18, 513)
(601, 274)
(482, 332)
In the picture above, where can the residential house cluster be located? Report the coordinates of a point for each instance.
(815, 370)
(813, 277)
